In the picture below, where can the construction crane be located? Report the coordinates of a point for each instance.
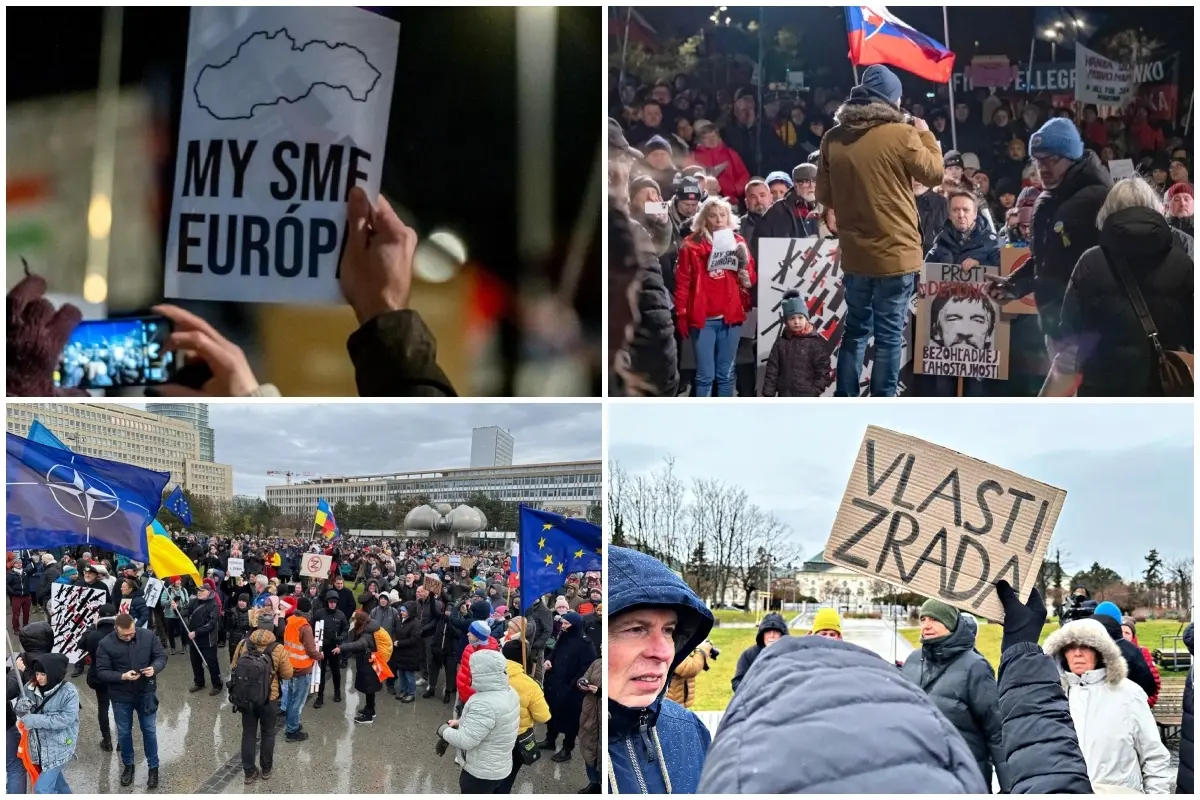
(289, 474)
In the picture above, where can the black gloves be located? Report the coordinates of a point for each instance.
(1022, 622)
(442, 744)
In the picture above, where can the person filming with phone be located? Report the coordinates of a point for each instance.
(129, 660)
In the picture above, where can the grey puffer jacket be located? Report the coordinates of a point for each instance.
(838, 720)
(487, 729)
(52, 717)
(961, 684)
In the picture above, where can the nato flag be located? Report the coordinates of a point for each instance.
(177, 504)
(56, 497)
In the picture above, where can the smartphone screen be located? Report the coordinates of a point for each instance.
(113, 353)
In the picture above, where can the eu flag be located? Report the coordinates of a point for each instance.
(553, 547)
(177, 504)
(56, 498)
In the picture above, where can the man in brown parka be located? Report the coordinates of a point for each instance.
(262, 719)
(865, 173)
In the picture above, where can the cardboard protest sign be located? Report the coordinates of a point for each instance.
(1120, 168)
(313, 565)
(285, 109)
(959, 331)
(432, 583)
(941, 523)
(152, 592)
(812, 266)
(724, 252)
(72, 610)
(1102, 80)
(1011, 259)
(236, 567)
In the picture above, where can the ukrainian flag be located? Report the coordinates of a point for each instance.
(167, 560)
(324, 521)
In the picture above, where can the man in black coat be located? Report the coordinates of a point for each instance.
(541, 622)
(796, 215)
(91, 644)
(201, 617)
(128, 661)
(334, 625)
(442, 646)
(570, 659)
(932, 213)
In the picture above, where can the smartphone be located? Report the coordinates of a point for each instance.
(656, 208)
(115, 353)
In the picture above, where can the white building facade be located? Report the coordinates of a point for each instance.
(491, 447)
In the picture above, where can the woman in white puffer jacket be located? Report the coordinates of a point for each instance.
(486, 732)
(1115, 726)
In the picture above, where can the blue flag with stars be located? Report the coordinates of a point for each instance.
(177, 504)
(553, 547)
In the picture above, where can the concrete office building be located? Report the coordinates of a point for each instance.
(566, 487)
(131, 436)
(196, 415)
(491, 447)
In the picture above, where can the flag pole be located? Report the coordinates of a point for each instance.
(853, 66)
(950, 85)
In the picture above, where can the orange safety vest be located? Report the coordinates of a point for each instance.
(295, 648)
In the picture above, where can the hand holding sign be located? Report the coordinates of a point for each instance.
(376, 268)
(232, 376)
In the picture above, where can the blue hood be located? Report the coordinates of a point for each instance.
(637, 580)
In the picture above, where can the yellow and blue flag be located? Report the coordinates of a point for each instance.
(552, 547)
(166, 559)
(177, 504)
(324, 521)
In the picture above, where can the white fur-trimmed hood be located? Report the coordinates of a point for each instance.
(1089, 633)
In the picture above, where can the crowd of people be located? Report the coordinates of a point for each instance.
(1070, 716)
(394, 612)
(898, 186)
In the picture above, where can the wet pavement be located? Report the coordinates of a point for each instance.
(199, 746)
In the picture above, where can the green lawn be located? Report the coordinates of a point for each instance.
(712, 687)
(734, 615)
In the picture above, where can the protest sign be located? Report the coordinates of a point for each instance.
(455, 560)
(1102, 80)
(313, 565)
(1120, 168)
(314, 685)
(942, 524)
(285, 109)
(152, 592)
(72, 610)
(959, 332)
(813, 267)
(236, 567)
(724, 252)
(1011, 259)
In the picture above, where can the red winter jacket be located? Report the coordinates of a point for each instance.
(463, 679)
(1153, 671)
(735, 176)
(1147, 138)
(699, 296)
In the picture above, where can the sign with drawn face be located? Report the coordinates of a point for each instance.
(942, 524)
(285, 109)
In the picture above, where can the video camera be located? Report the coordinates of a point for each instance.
(713, 652)
(1078, 607)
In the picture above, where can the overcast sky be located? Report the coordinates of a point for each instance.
(1127, 469)
(367, 439)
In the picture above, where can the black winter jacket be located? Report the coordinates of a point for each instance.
(652, 351)
(335, 628)
(395, 355)
(543, 622)
(961, 684)
(1139, 670)
(781, 221)
(237, 623)
(953, 247)
(771, 622)
(799, 366)
(137, 607)
(17, 583)
(1115, 356)
(202, 620)
(1186, 783)
(115, 657)
(407, 649)
(1064, 228)
(91, 644)
(932, 213)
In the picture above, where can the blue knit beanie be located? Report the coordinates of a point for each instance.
(878, 83)
(1058, 137)
(779, 176)
(1108, 609)
(480, 630)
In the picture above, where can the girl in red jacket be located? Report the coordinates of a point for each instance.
(721, 161)
(712, 296)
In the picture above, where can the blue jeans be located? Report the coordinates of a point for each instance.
(51, 781)
(14, 781)
(283, 693)
(408, 682)
(295, 692)
(123, 712)
(876, 306)
(716, 348)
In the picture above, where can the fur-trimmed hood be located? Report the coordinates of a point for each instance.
(859, 117)
(1089, 633)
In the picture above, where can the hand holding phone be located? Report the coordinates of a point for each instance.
(231, 373)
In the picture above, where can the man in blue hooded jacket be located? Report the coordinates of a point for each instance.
(655, 746)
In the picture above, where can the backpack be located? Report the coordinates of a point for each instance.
(250, 683)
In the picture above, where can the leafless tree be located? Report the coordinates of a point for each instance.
(1181, 572)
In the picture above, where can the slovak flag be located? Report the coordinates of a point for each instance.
(879, 37)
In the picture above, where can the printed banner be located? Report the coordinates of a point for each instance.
(941, 523)
(1102, 80)
(236, 567)
(813, 267)
(959, 332)
(724, 252)
(285, 109)
(72, 610)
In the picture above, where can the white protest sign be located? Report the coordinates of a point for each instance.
(1120, 168)
(152, 592)
(284, 110)
(313, 565)
(724, 252)
(941, 523)
(455, 560)
(959, 331)
(318, 637)
(1101, 80)
(236, 567)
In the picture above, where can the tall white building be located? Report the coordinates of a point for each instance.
(491, 447)
(131, 436)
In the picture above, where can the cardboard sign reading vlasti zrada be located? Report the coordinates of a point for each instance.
(285, 109)
(942, 524)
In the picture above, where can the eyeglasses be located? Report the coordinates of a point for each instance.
(1047, 162)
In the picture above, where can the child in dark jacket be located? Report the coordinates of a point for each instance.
(799, 364)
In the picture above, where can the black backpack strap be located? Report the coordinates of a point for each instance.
(1121, 270)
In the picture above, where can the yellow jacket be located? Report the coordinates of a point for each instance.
(533, 702)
